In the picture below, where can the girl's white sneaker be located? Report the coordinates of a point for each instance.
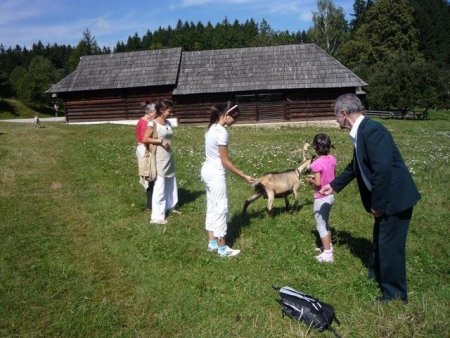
(228, 252)
(325, 257)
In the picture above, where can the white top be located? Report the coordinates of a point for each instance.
(354, 130)
(353, 136)
(216, 136)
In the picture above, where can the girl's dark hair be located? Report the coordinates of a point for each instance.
(218, 110)
(322, 144)
(163, 105)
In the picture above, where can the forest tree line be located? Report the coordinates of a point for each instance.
(401, 48)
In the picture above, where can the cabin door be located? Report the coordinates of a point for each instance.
(270, 107)
(247, 107)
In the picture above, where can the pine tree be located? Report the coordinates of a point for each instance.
(87, 46)
(389, 28)
(432, 18)
(134, 43)
(359, 13)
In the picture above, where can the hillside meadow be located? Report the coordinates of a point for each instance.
(79, 258)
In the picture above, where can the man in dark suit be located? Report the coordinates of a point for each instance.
(387, 191)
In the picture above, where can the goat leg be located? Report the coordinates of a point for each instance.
(270, 197)
(295, 206)
(250, 200)
(286, 201)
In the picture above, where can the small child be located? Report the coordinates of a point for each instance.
(37, 122)
(324, 171)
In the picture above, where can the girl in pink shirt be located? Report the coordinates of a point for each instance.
(324, 171)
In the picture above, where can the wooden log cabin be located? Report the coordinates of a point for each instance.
(277, 83)
(113, 86)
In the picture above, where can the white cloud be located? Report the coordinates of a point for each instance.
(306, 16)
(103, 24)
(15, 11)
(107, 28)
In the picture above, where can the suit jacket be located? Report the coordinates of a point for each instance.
(393, 189)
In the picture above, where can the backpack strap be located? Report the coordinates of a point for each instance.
(336, 335)
(154, 135)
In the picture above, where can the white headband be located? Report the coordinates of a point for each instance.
(231, 109)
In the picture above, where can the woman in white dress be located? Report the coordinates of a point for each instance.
(213, 174)
(165, 191)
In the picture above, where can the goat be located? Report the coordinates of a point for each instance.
(36, 121)
(279, 184)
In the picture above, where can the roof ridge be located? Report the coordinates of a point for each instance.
(292, 66)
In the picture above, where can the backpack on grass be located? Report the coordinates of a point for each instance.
(307, 309)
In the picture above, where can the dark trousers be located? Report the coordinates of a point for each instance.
(388, 261)
(150, 194)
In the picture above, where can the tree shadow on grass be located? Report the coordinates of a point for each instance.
(6, 106)
(188, 196)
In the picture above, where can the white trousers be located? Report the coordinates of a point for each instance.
(165, 196)
(216, 202)
(322, 208)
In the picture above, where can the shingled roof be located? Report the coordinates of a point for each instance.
(123, 70)
(262, 68)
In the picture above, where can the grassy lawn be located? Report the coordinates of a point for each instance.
(13, 109)
(78, 257)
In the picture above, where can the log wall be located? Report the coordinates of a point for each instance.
(293, 105)
(109, 105)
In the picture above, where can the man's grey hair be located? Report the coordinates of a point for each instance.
(350, 103)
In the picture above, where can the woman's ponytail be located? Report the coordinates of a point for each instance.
(214, 115)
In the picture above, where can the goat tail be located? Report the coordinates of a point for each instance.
(259, 188)
(255, 184)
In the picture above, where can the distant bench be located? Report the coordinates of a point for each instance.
(398, 114)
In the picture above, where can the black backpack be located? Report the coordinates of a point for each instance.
(304, 308)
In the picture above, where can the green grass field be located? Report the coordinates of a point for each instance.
(14, 109)
(78, 257)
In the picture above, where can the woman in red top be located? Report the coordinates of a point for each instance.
(141, 127)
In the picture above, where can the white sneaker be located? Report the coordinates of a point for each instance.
(228, 252)
(325, 257)
(159, 221)
(213, 247)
